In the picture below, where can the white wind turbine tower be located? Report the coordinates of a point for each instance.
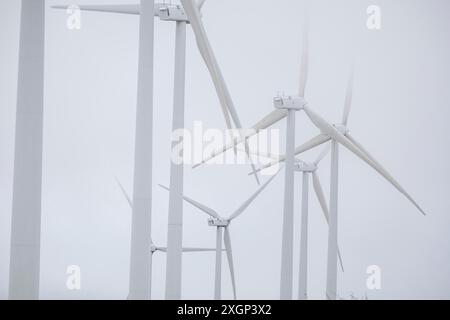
(140, 260)
(24, 265)
(291, 104)
(222, 226)
(339, 134)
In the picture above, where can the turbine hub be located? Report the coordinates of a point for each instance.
(342, 128)
(289, 102)
(153, 248)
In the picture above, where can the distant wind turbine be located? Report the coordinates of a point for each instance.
(308, 169)
(222, 226)
(285, 107)
(153, 247)
(339, 134)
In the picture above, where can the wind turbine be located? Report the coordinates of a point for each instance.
(222, 226)
(154, 248)
(285, 107)
(339, 134)
(27, 186)
(307, 169)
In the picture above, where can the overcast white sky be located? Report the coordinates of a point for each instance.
(401, 113)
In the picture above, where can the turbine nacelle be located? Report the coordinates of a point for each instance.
(153, 248)
(302, 166)
(218, 223)
(289, 102)
(173, 13)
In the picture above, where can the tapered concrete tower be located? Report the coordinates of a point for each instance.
(26, 209)
(141, 259)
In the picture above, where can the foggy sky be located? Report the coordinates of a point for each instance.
(400, 113)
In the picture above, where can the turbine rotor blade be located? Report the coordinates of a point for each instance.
(311, 144)
(381, 170)
(187, 250)
(200, 4)
(112, 8)
(320, 196)
(227, 240)
(125, 194)
(245, 205)
(226, 102)
(207, 54)
(199, 250)
(247, 151)
(348, 99)
(198, 205)
(323, 204)
(322, 155)
(314, 142)
(269, 120)
(347, 143)
(130, 202)
(341, 263)
(304, 58)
